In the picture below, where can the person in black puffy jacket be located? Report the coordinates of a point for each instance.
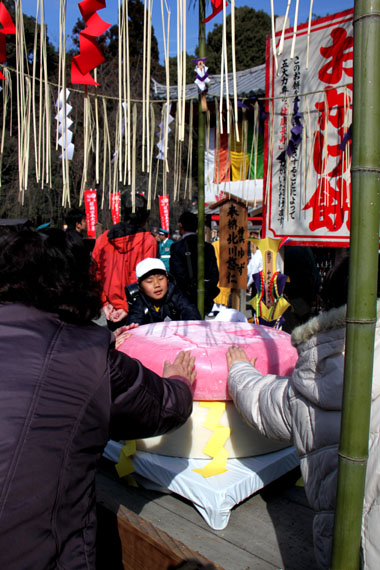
(64, 391)
(159, 299)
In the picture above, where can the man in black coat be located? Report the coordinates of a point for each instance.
(184, 262)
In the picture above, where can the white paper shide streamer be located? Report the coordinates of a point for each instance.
(64, 124)
(163, 133)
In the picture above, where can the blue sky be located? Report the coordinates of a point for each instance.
(109, 14)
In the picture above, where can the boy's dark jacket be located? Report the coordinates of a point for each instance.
(174, 305)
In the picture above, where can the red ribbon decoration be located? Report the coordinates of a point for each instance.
(217, 6)
(90, 55)
(8, 28)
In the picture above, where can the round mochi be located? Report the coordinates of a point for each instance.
(208, 342)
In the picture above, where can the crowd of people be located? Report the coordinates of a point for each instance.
(66, 389)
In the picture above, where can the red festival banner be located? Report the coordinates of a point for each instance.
(307, 183)
(164, 211)
(8, 27)
(91, 209)
(115, 207)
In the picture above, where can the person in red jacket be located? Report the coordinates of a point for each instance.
(116, 254)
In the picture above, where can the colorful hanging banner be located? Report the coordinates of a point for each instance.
(90, 55)
(8, 27)
(308, 143)
(217, 6)
(115, 207)
(91, 209)
(164, 212)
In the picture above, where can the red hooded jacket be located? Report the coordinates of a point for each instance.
(116, 254)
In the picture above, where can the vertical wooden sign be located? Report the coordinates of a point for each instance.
(233, 235)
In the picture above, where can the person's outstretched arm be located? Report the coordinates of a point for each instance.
(262, 400)
(145, 404)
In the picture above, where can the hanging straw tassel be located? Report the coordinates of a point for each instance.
(287, 158)
(147, 97)
(167, 79)
(308, 34)
(189, 154)
(128, 79)
(208, 131)
(88, 124)
(254, 146)
(152, 132)
(183, 69)
(294, 30)
(221, 92)
(23, 104)
(273, 37)
(119, 123)
(7, 97)
(97, 175)
(224, 47)
(134, 128)
(62, 89)
(176, 153)
(143, 90)
(234, 67)
(270, 153)
(106, 152)
(217, 146)
(37, 148)
(282, 39)
(115, 159)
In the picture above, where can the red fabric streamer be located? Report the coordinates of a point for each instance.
(217, 6)
(90, 55)
(8, 28)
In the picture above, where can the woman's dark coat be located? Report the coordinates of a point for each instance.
(175, 306)
(64, 391)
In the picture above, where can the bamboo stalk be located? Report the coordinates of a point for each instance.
(361, 308)
(201, 172)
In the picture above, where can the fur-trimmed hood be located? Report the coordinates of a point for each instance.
(321, 344)
(332, 319)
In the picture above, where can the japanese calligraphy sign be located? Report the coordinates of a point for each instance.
(233, 245)
(308, 134)
(164, 211)
(115, 207)
(91, 209)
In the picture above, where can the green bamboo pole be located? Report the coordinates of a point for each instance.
(361, 310)
(201, 169)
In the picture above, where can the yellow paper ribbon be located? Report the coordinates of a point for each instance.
(125, 466)
(215, 445)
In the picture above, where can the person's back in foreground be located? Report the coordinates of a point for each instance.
(116, 254)
(158, 298)
(305, 410)
(64, 391)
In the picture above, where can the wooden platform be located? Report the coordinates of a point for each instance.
(147, 530)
